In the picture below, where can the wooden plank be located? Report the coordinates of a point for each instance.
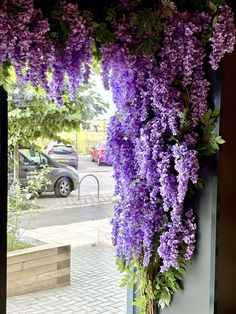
(32, 271)
(31, 249)
(38, 278)
(63, 264)
(31, 256)
(63, 249)
(47, 284)
(36, 269)
(63, 280)
(35, 252)
(35, 263)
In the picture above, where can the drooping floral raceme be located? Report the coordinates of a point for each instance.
(153, 139)
(156, 66)
(223, 39)
(73, 57)
(28, 43)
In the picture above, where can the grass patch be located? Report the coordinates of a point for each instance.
(14, 244)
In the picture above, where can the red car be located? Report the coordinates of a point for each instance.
(98, 152)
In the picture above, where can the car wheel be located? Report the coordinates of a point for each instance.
(63, 187)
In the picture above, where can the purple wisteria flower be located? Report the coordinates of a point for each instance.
(180, 232)
(187, 166)
(26, 42)
(154, 155)
(72, 58)
(223, 39)
(160, 100)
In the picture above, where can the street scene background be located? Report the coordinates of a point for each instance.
(85, 225)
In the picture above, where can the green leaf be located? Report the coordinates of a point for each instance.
(219, 140)
(210, 141)
(125, 280)
(185, 113)
(174, 139)
(214, 20)
(102, 33)
(165, 298)
(148, 44)
(213, 7)
(216, 112)
(132, 282)
(7, 76)
(206, 117)
(214, 146)
(140, 302)
(200, 184)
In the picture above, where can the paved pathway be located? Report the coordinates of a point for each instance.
(76, 234)
(94, 288)
(94, 278)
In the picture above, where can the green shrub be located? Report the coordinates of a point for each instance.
(19, 201)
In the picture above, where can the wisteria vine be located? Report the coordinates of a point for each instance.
(154, 142)
(46, 50)
(155, 60)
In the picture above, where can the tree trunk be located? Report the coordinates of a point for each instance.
(16, 163)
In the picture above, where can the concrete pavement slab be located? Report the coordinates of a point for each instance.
(76, 234)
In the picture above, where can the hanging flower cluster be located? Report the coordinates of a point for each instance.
(223, 38)
(155, 60)
(74, 56)
(154, 139)
(27, 41)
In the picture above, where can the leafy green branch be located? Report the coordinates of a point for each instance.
(210, 140)
(168, 283)
(7, 76)
(153, 288)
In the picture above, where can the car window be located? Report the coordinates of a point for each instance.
(40, 159)
(23, 159)
(26, 152)
(62, 149)
(31, 157)
(44, 159)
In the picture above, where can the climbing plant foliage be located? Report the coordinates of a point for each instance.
(156, 58)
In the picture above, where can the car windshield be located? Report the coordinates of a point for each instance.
(61, 149)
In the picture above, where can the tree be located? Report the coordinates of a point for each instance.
(32, 115)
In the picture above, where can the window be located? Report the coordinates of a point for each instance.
(62, 149)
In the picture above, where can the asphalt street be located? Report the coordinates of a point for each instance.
(103, 173)
(59, 212)
(64, 215)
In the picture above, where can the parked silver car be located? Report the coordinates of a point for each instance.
(62, 153)
(64, 179)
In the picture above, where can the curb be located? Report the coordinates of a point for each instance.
(77, 205)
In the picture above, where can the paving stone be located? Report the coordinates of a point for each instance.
(95, 288)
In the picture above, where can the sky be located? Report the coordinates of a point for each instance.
(106, 96)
